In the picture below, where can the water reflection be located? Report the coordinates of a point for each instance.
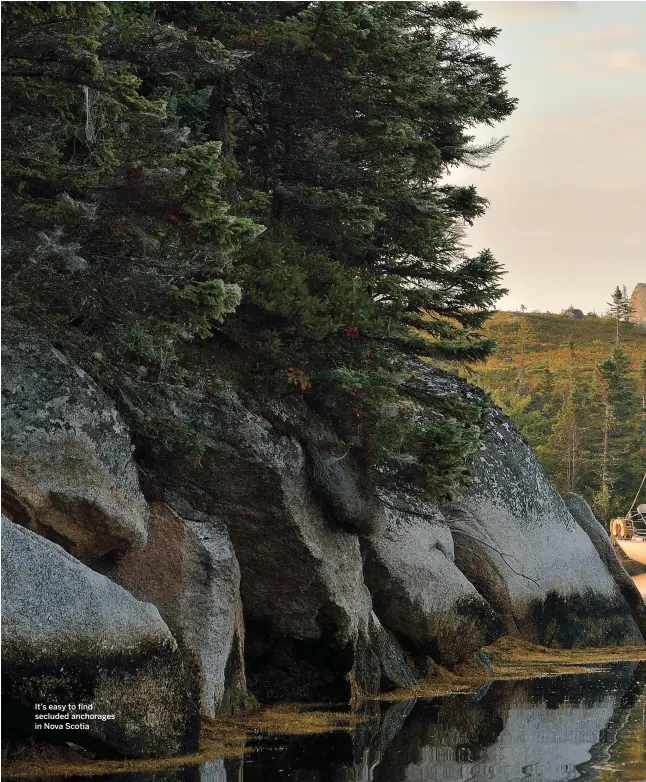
(545, 730)
(586, 727)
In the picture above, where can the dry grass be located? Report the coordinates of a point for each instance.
(35, 761)
(221, 737)
(514, 659)
(286, 719)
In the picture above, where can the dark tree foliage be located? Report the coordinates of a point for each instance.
(97, 169)
(159, 155)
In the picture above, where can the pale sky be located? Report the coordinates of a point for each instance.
(567, 215)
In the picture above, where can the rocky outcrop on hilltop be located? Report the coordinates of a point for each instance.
(272, 566)
(638, 305)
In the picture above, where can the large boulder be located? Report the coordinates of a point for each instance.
(517, 543)
(585, 518)
(307, 610)
(417, 590)
(67, 468)
(189, 571)
(338, 476)
(71, 636)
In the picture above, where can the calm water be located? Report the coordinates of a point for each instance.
(591, 726)
(583, 727)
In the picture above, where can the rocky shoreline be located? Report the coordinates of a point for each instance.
(170, 593)
(229, 737)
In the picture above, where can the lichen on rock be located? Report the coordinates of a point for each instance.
(189, 571)
(67, 467)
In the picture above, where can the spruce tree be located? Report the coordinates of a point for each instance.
(339, 125)
(619, 308)
(168, 163)
(620, 404)
(572, 449)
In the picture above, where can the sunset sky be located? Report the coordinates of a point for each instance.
(568, 190)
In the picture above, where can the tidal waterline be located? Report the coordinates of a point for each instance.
(587, 726)
(571, 727)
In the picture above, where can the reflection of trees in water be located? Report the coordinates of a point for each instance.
(586, 689)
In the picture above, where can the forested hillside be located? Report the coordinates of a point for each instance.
(578, 396)
(263, 176)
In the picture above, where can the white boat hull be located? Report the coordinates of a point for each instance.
(634, 549)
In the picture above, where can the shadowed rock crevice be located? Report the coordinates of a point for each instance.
(283, 669)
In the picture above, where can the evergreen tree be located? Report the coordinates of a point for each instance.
(340, 126)
(525, 338)
(620, 308)
(571, 363)
(149, 145)
(620, 404)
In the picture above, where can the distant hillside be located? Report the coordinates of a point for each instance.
(577, 396)
(540, 340)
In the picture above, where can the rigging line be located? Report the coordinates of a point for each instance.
(637, 495)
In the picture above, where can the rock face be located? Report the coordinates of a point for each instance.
(585, 518)
(417, 590)
(67, 464)
(189, 571)
(638, 304)
(516, 542)
(344, 591)
(307, 609)
(72, 636)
